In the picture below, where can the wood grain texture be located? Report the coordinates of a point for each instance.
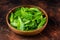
(51, 32)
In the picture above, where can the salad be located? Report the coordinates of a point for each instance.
(26, 19)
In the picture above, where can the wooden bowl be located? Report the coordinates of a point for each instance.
(26, 33)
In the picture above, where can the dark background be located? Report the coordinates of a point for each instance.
(51, 32)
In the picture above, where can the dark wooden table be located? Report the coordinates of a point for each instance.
(51, 32)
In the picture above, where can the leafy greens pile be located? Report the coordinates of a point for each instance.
(27, 19)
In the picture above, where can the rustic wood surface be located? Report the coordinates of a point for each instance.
(51, 32)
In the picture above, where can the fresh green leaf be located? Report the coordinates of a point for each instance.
(20, 24)
(42, 22)
(11, 17)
